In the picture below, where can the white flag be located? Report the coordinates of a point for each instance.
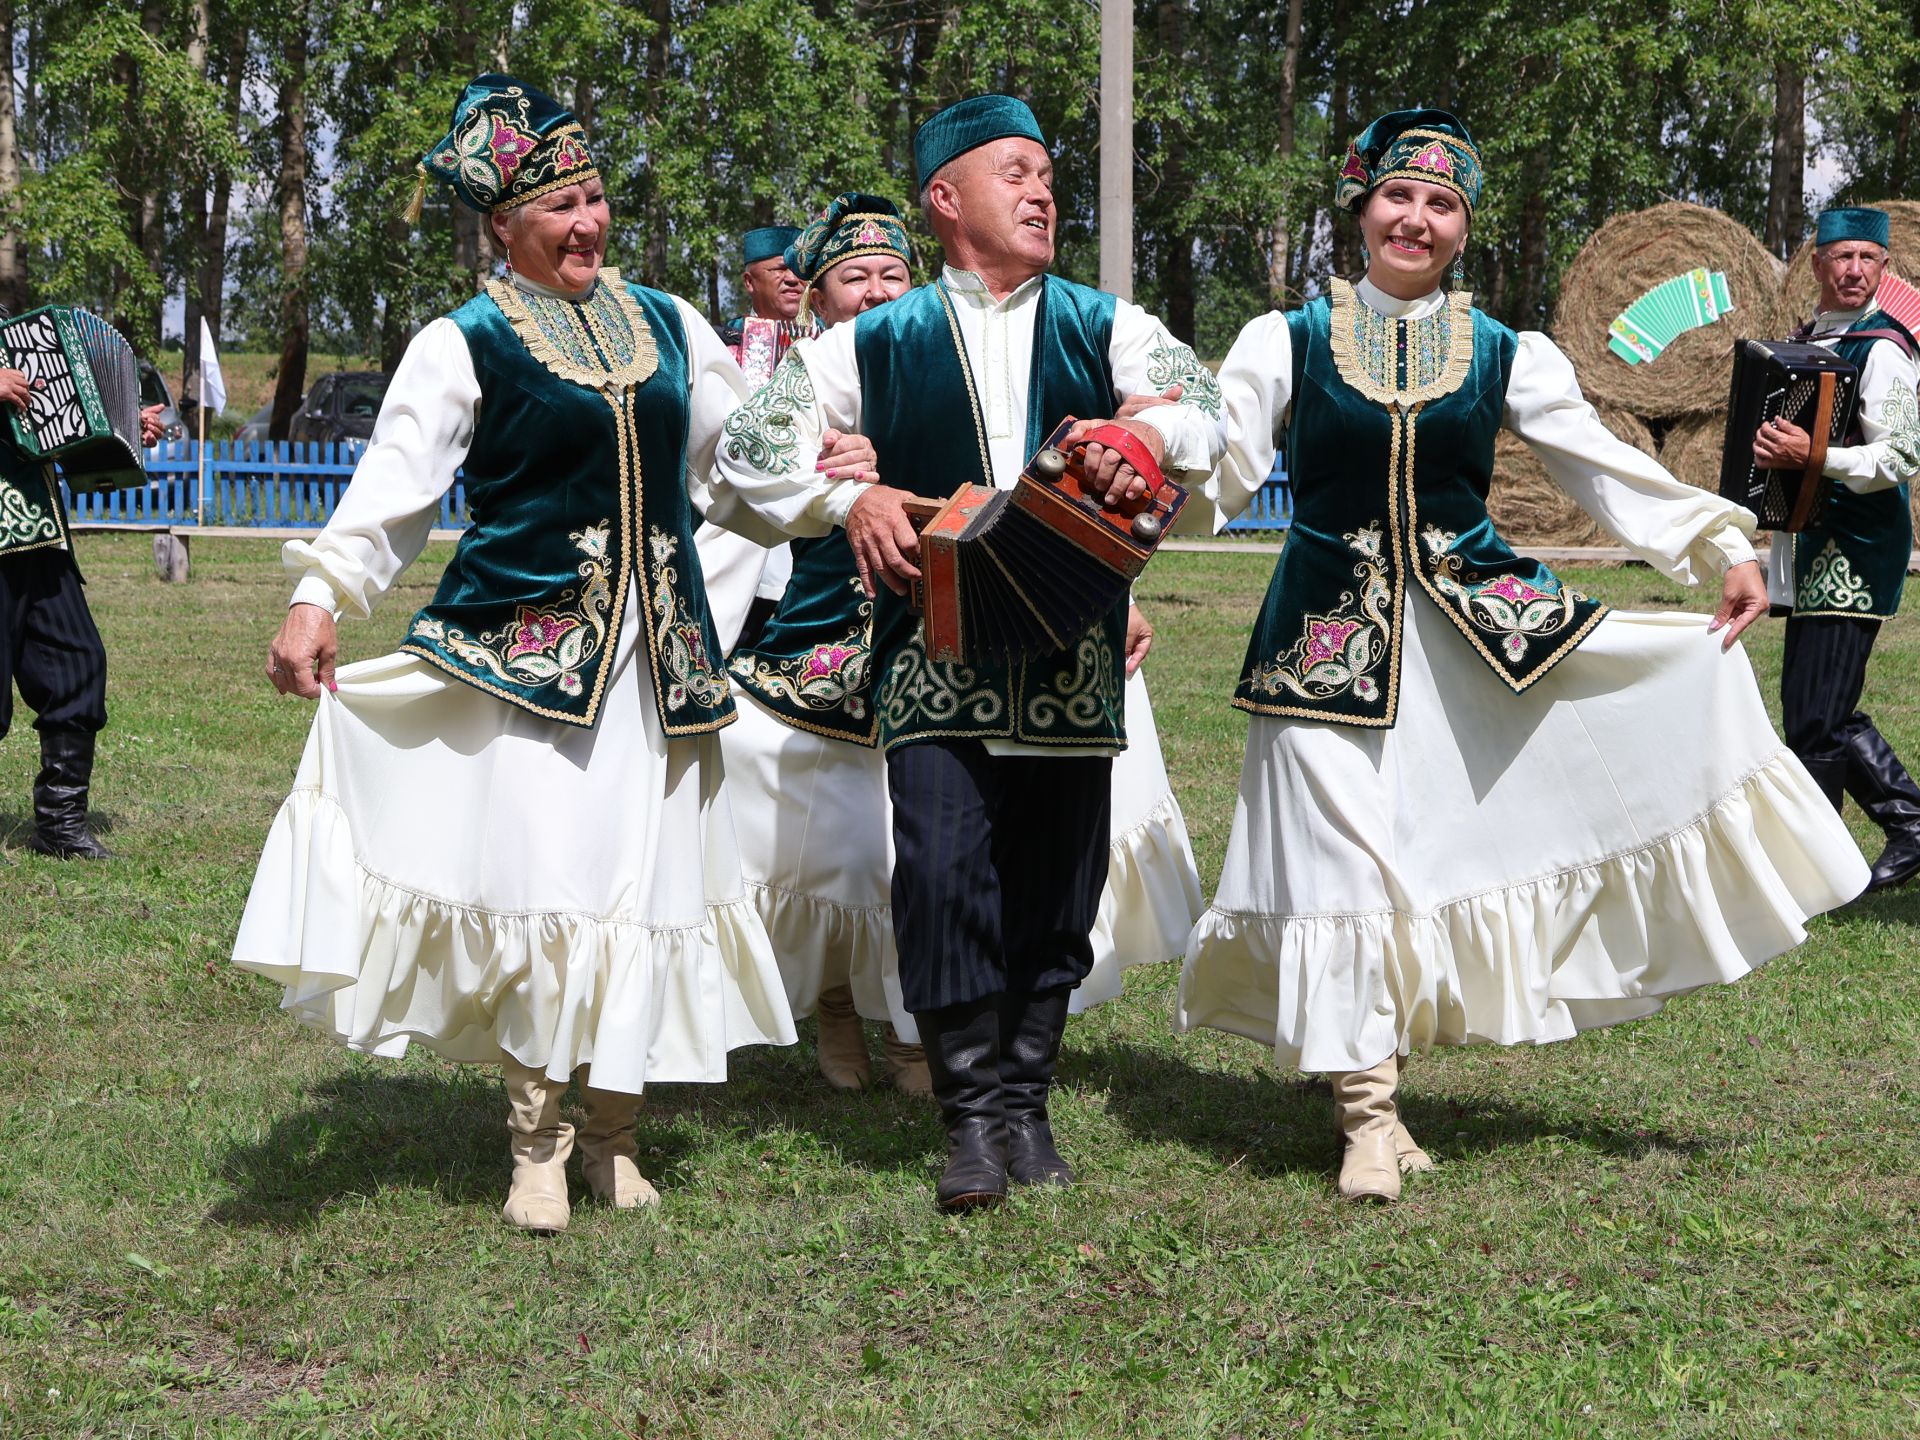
(213, 385)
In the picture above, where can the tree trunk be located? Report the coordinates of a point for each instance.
(150, 233)
(1346, 233)
(653, 268)
(1786, 183)
(292, 381)
(1530, 293)
(1280, 232)
(211, 275)
(1902, 149)
(1176, 283)
(193, 206)
(13, 274)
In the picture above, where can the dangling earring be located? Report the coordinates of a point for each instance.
(1366, 256)
(1460, 270)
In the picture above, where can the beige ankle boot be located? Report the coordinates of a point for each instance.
(842, 1042)
(906, 1065)
(1413, 1160)
(539, 1141)
(607, 1152)
(1363, 1106)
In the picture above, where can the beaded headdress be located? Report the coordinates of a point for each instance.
(508, 143)
(1429, 145)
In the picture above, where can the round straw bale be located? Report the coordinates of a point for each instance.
(1627, 257)
(1529, 509)
(1693, 448)
(1800, 290)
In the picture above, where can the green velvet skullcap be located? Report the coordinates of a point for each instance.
(1429, 145)
(966, 125)
(1859, 223)
(508, 143)
(853, 224)
(769, 242)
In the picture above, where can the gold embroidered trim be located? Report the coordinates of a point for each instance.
(1343, 339)
(602, 375)
(966, 373)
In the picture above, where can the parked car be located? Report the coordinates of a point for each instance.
(340, 406)
(154, 391)
(257, 423)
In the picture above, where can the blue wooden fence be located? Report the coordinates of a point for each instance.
(284, 485)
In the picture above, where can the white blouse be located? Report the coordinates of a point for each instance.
(1685, 533)
(421, 439)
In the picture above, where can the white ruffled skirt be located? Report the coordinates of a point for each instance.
(816, 844)
(453, 870)
(1513, 868)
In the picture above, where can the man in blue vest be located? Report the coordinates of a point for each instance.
(998, 774)
(1843, 576)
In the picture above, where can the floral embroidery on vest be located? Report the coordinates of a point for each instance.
(920, 688)
(1178, 365)
(1078, 702)
(544, 645)
(1506, 606)
(760, 432)
(1832, 584)
(678, 639)
(1339, 650)
(22, 522)
(830, 676)
(1901, 415)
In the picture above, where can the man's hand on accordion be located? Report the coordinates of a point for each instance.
(301, 658)
(15, 388)
(1108, 468)
(1781, 445)
(884, 541)
(150, 427)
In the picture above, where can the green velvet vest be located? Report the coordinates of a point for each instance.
(813, 663)
(1390, 454)
(31, 515)
(1854, 562)
(919, 409)
(576, 480)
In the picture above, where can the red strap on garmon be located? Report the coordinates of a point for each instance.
(1136, 454)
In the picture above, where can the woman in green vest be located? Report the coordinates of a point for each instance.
(1476, 804)
(509, 840)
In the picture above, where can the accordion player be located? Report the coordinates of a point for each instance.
(1013, 573)
(1805, 385)
(83, 410)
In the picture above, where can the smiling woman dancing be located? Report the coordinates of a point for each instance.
(509, 840)
(1476, 804)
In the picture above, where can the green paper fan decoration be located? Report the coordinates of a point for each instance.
(1645, 328)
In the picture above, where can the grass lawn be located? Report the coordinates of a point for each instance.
(216, 1224)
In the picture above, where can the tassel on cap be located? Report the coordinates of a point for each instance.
(418, 203)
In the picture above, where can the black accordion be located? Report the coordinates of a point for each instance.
(1008, 574)
(1805, 385)
(83, 410)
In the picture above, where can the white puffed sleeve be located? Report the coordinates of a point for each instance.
(715, 387)
(1256, 384)
(382, 521)
(1685, 533)
(1146, 360)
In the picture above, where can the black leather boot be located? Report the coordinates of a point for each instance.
(1030, 1031)
(1831, 777)
(60, 798)
(963, 1057)
(1884, 789)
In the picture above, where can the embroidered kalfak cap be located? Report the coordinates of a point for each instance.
(1859, 223)
(966, 125)
(1429, 145)
(508, 143)
(766, 243)
(853, 224)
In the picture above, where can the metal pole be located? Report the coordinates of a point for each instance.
(1116, 147)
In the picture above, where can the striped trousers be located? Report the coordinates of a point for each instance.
(51, 650)
(999, 864)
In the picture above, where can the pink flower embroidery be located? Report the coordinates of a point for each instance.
(870, 234)
(1514, 590)
(1327, 638)
(1355, 168)
(1434, 158)
(536, 631)
(571, 155)
(825, 661)
(509, 147)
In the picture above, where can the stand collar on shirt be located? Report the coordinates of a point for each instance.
(1827, 322)
(1381, 303)
(966, 282)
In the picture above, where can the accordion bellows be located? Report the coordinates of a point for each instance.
(1006, 574)
(84, 407)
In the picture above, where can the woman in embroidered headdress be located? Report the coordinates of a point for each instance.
(1476, 805)
(509, 840)
(809, 784)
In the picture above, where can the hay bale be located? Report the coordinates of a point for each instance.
(1799, 290)
(1529, 509)
(1693, 448)
(1628, 256)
